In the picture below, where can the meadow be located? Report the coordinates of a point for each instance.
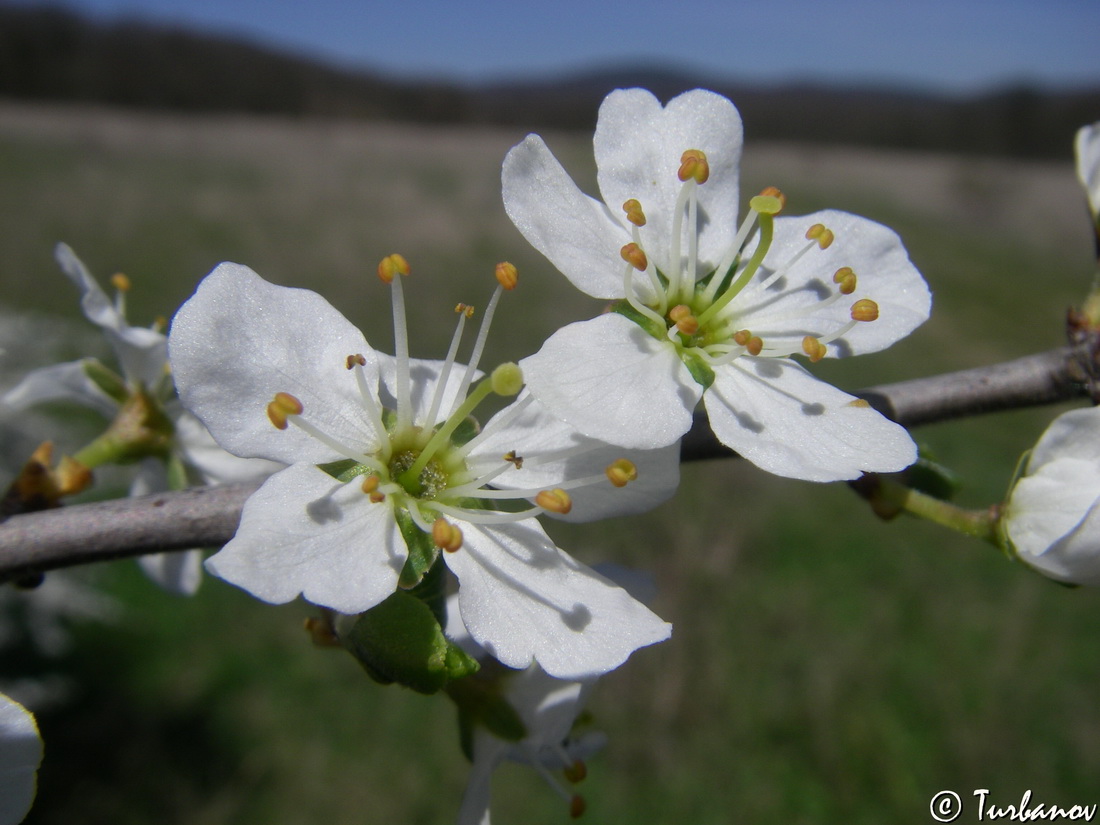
(824, 667)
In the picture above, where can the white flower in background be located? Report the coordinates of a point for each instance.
(706, 308)
(1087, 146)
(279, 373)
(1052, 518)
(177, 447)
(546, 707)
(20, 756)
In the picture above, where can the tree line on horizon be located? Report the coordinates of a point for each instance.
(54, 54)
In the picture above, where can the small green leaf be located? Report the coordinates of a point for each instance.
(110, 382)
(624, 308)
(422, 550)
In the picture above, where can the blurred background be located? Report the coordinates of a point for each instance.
(825, 666)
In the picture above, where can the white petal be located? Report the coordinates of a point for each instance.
(20, 756)
(488, 754)
(1087, 146)
(524, 600)
(178, 572)
(791, 308)
(614, 382)
(787, 422)
(1074, 434)
(303, 532)
(60, 382)
(239, 340)
(1076, 557)
(142, 353)
(199, 450)
(536, 434)
(1048, 504)
(575, 232)
(638, 147)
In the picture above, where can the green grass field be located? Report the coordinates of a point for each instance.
(825, 667)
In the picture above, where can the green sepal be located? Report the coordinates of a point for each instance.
(700, 370)
(345, 469)
(465, 431)
(422, 550)
(932, 478)
(399, 640)
(480, 702)
(177, 474)
(107, 380)
(658, 331)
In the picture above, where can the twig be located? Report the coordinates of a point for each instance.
(208, 516)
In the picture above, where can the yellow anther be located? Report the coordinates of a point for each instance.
(507, 379)
(693, 164)
(621, 472)
(635, 256)
(370, 483)
(377, 497)
(859, 402)
(814, 349)
(755, 345)
(355, 360)
(391, 266)
(577, 806)
(507, 275)
(120, 282)
(465, 309)
(742, 337)
(446, 535)
(160, 323)
(284, 404)
(556, 501)
(634, 212)
(819, 233)
(846, 279)
(684, 320)
(512, 458)
(770, 201)
(576, 772)
(864, 310)
(322, 632)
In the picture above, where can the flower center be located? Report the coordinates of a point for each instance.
(707, 316)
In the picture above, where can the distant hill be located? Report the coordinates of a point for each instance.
(56, 55)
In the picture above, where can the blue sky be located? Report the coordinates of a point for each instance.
(952, 45)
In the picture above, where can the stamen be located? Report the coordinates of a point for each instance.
(555, 501)
(391, 266)
(506, 417)
(479, 345)
(514, 459)
(303, 425)
(576, 771)
(370, 483)
(814, 349)
(464, 312)
(283, 405)
(577, 806)
(819, 233)
(685, 322)
(864, 310)
(632, 299)
(846, 279)
(675, 274)
(767, 223)
(621, 472)
(476, 516)
(693, 164)
(634, 213)
(445, 535)
(635, 256)
(507, 275)
(120, 282)
(370, 405)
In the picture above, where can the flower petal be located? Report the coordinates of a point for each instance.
(575, 232)
(614, 382)
(1087, 148)
(60, 382)
(20, 756)
(239, 340)
(535, 434)
(1075, 558)
(304, 532)
(1074, 434)
(142, 353)
(795, 306)
(423, 380)
(524, 600)
(1045, 506)
(199, 450)
(638, 146)
(178, 572)
(785, 421)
